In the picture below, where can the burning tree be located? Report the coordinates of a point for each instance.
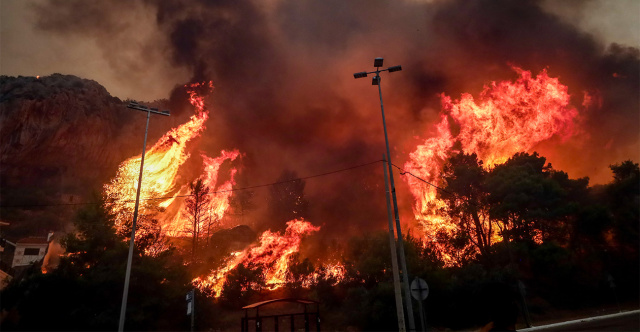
(272, 257)
(195, 207)
(162, 163)
(506, 118)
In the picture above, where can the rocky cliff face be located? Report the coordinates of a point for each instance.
(61, 137)
(54, 122)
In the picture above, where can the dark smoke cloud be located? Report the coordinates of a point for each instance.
(487, 35)
(285, 95)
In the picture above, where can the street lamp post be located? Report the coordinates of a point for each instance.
(377, 62)
(123, 308)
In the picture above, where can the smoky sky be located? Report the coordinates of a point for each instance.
(285, 95)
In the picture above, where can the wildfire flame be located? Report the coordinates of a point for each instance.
(219, 203)
(507, 117)
(272, 254)
(162, 163)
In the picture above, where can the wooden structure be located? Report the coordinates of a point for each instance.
(254, 321)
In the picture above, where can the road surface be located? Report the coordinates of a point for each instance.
(625, 321)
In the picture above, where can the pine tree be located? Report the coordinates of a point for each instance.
(195, 208)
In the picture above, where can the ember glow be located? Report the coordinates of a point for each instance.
(272, 255)
(507, 117)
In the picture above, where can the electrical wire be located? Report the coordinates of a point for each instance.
(403, 172)
(210, 193)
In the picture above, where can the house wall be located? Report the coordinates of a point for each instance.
(19, 257)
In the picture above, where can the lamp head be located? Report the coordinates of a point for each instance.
(377, 62)
(360, 74)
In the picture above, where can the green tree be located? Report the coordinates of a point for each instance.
(85, 291)
(149, 236)
(466, 200)
(532, 200)
(624, 202)
(241, 284)
(368, 259)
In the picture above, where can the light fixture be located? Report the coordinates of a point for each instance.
(360, 74)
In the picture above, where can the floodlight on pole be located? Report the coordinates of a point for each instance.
(360, 75)
(377, 62)
(123, 308)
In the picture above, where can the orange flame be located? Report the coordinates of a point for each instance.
(508, 117)
(219, 196)
(272, 254)
(162, 163)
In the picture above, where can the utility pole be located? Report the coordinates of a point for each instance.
(394, 259)
(377, 62)
(125, 294)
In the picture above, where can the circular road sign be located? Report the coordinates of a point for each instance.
(419, 289)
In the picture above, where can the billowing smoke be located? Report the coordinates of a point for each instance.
(286, 98)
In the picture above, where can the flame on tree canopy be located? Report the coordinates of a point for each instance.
(507, 117)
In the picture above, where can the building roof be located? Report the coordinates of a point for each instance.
(33, 240)
(259, 304)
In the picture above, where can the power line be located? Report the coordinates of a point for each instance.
(403, 172)
(276, 183)
(210, 193)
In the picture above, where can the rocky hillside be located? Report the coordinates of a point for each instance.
(61, 138)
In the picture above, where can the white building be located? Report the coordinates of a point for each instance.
(30, 250)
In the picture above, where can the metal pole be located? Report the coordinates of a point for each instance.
(423, 322)
(123, 307)
(525, 308)
(394, 259)
(403, 261)
(193, 308)
(424, 328)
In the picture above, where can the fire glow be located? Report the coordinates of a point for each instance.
(162, 163)
(507, 117)
(272, 255)
(159, 179)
